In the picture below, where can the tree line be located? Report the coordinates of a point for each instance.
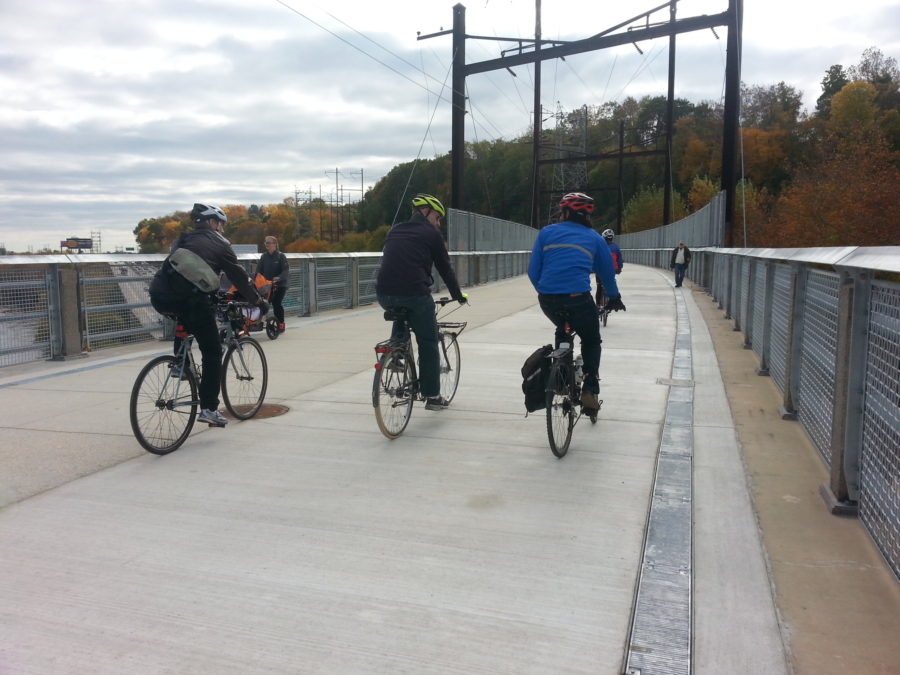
(826, 177)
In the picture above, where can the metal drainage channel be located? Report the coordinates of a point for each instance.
(660, 638)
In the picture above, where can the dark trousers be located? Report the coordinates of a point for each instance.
(580, 312)
(420, 310)
(199, 319)
(680, 269)
(277, 307)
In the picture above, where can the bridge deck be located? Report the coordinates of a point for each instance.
(309, 543)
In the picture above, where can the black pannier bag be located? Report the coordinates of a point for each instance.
(535, 372)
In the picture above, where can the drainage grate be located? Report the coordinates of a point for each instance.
(267, 410)
(660, 638)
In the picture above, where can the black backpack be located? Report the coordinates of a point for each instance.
(535, 372)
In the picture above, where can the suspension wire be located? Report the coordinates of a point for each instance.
(428, 103)
(427, 131)
(281, 2)
(737, 21)
(582, 81)
(616, 58)
(639, 70)
(487, 190)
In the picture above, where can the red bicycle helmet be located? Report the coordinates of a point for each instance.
(578, 202)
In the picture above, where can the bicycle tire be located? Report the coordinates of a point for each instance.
(450, 366)
(391, 395)
(605, 316)
(272, 331)
(245, 378)
(155, 422)
(560, 408)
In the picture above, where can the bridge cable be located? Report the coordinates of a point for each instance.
(427, 131)
(487, 190)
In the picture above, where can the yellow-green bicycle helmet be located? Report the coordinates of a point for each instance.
(422, 199)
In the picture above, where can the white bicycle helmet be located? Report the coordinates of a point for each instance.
(609, 235)
(203, 212)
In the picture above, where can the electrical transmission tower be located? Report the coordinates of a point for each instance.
(96, 242)
(570, 141)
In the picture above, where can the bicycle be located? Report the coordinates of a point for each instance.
(164, 402)
(601, 303)
(564, 396)
(396, 384)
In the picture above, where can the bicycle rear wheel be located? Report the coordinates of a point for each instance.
(163, 408)
(561, 411)
(450, 365)
(245, 376)
(392, 397)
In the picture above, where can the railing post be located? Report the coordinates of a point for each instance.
(354, 281)
(751, 302)
(54, 313)
(71, 337)
(842, 491)
(766, 310)
(312, 287)
(795, 342)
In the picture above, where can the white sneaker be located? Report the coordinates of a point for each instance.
(212, 417)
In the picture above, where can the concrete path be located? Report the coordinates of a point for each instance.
(309, 543)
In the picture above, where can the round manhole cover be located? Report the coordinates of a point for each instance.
(267, 410)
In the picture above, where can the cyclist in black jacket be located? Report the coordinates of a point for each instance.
(273, 265)
(171, 293)
(404, 280)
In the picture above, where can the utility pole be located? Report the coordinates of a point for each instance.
(621, 205)
(732, 112)
(362, 195)
(458, 114)
(538, 118)
(542, 50)
(670, 121)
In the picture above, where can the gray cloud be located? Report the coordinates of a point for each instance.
(117, 111)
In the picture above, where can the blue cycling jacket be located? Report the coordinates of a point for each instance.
(617, 255)
(563, 257)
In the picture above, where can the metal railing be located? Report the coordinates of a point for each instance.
(57, 307)
(827, 330)
(705, 227)
(468, 231)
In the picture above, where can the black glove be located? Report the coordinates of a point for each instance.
(263, 307)
(618, 271)
(615, 304)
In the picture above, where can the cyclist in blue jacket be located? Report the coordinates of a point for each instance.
(563, 257)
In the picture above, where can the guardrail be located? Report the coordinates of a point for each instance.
(825, 325)
(61, 307)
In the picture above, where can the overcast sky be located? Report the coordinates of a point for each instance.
(117, 110)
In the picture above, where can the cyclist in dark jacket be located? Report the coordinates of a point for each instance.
(273, 265)
(562, 260)
(171, 293)
(404, 280)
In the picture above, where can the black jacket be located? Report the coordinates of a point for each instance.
(216, 252)
(275, 266)
(687, 256)
(410, 250)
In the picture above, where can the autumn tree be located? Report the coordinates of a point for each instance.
(645, 210)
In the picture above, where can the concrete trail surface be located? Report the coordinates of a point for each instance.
(309, 543)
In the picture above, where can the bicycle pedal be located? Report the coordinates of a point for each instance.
(216, 426)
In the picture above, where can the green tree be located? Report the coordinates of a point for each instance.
(834, 80)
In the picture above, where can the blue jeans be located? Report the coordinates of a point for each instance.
(680, 269)
(422, 321)
(580, 312)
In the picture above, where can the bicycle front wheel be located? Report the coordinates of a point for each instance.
(450, 365)
(561, 411)
(245, 376)
(163, 408)
(392, 397)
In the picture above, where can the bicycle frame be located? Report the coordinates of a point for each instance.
(229, 314)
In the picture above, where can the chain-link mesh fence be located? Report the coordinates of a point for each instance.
(25, 320)
(879, 461)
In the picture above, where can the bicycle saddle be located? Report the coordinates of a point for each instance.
(396, 314)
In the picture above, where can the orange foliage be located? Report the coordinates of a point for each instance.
(763, 153)
(850, 199)
(235, 211)
(308, 246)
